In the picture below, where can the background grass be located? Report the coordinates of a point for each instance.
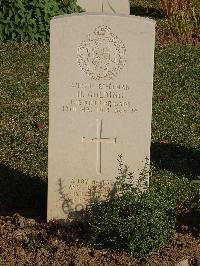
(24, 119)
(24, 107)
(176, 115)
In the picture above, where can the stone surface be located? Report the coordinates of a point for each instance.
(107, 6)
(101, 79)
(183, 263)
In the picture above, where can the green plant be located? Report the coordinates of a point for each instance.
(142, 219)
(35, 243)
(170, 7)
(28, 20)
(183, 20)
(184, 23)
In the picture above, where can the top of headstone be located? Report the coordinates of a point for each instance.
(136, 18)
(110, 6)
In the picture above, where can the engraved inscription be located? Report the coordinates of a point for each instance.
(99, 140)
(102, 55)
(82, 191)
(100, 98)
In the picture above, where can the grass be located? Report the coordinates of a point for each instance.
(24, 107)
(146, 3)
(176, 96)
(24, 126)
(176, 117)
(24, 119)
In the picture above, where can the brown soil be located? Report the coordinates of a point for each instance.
(25, 241)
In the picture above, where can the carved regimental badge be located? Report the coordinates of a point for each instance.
(102, 55)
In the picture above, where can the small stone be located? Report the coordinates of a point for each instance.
(31, 222)
(183, 263)
(19, 220)
(40, 65)
(104, 252)
(185, 227)
(20, 235)
(44, 251)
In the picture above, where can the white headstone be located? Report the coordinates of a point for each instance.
(106, 6)
(101, 79)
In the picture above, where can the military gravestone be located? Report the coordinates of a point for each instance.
(101, 79)
(107, 6)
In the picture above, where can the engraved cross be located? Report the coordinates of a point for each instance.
(99, 140)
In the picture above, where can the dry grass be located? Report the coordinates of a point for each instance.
(171, 7)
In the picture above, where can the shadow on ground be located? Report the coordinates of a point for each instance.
(27, 195)
(176, 159)
(189, 222)
(21, 193)
(147, 12)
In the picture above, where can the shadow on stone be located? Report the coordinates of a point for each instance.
(23, 194)
(147, 12)
(95, 194)
(176, 159)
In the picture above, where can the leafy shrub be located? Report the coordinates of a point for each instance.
(142, 220)
(28, 20)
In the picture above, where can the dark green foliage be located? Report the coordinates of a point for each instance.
(143, 219)
(28, 20)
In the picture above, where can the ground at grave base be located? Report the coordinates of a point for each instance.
(25, 241)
